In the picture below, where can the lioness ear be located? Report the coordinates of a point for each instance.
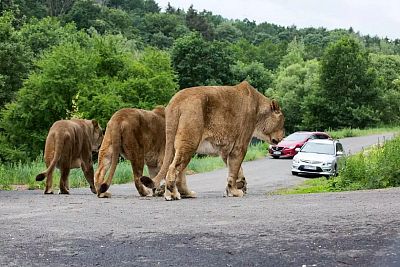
(275, 106)
(95, 124)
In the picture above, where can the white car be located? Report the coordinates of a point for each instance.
(318, 157)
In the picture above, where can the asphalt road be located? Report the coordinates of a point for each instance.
(334, 229)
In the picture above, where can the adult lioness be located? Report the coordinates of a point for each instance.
(139, 136)
(222, 117)
(69, 145)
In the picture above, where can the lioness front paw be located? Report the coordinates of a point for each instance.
(104, 195)
(168, 195)
(191, 194)
(232, 192)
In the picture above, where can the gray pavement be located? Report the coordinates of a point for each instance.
(335, 229)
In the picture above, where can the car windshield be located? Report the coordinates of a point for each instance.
(297, 137)
(318, 148)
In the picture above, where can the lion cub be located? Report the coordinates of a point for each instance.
(69, 145)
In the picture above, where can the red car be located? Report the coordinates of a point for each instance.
(286, 147)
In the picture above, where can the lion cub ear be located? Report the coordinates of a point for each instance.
(275, 106)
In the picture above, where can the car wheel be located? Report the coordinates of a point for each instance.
(294, 173)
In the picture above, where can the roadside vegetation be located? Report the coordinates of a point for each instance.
(23, 175)
(354, 132)
(376, 167)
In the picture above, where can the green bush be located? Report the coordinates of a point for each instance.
(378, 167)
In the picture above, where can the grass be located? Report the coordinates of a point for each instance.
(353, 132)
(317, 185)
(25, 173)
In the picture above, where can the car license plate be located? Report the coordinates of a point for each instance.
(308, 167)
(277, 152)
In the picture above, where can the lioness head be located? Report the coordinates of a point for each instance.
(97, 136)
(270, 123)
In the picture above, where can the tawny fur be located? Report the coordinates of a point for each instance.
(225, 118)
(69, 144)
(139, 136)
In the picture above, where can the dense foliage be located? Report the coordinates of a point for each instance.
(375, 168)
(89, 58)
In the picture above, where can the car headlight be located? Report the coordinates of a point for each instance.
(292, 147)
(296, 160)
(327, 164)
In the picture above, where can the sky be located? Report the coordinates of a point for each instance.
(373, 17)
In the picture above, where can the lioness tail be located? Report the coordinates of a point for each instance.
(170, 130)
(147, 181)
(57, 154)
(40, 176)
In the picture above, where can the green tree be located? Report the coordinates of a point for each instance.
(348, 86)
(27, 8)
(96, 77)
(295, 54)
(15, 59)
(226, 31)
(42, 34)
(387, 68)
(198, 22)
(84, 14)
(200, 62)
(136, 6)
(293, 87)
(267, 52)
(59, 7)
(255, 73)
(161, 29)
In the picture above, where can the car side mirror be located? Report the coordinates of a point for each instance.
(339, 153)
(297, 149)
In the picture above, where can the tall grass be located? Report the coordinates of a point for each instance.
(378, 167)
(25, 173)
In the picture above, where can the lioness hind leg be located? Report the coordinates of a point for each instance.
(176, 169)
(49, 184)
(235, 160)
(64, 181)
(159, 191)
(88, 171)
(171, 191)
(241, 182)
(137, 163)
(183, 189)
